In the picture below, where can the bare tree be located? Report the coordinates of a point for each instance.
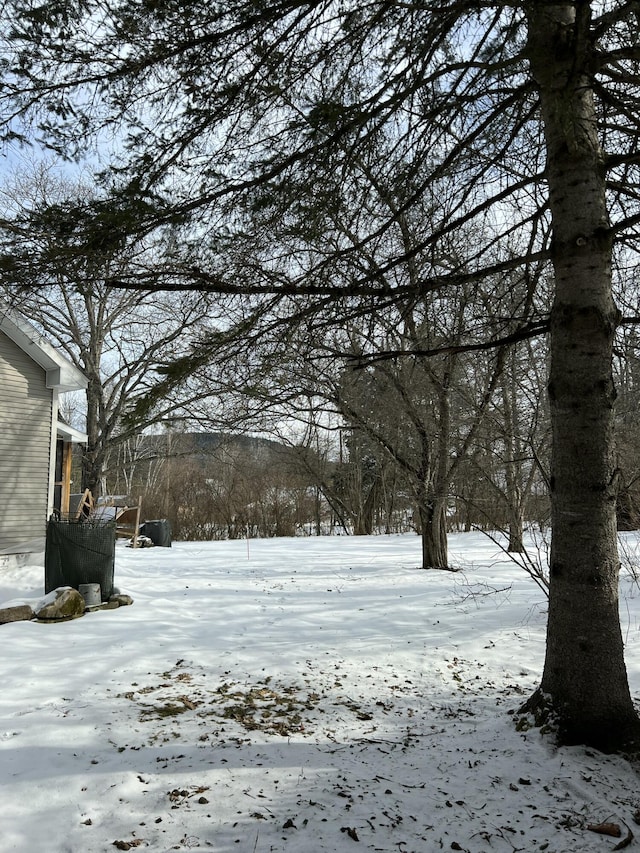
(116, 337)
(506, 467)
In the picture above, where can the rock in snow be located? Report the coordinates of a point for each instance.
(18, 613)
(62, 603)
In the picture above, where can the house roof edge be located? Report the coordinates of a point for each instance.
(61, 374)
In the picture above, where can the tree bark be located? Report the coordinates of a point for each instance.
(584, 679)
(516, 530)
(93, 455)
(513, 459)
(433, 533)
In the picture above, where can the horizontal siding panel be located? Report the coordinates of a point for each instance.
(25, 434)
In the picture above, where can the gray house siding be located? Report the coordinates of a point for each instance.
(25, 446)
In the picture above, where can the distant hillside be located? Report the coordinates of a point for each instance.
(204, 444)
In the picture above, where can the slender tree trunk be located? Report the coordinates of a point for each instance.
(584, 677)
(318, 510)
(513, 458)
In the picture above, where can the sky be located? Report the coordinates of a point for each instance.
(308, 694)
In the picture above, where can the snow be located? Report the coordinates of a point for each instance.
(298, 695)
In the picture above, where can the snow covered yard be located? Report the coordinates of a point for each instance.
(298, 695)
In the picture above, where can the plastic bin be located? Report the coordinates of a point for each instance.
(158, 530)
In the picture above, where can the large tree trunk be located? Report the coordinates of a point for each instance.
(433, 532)
(93, 455)
(584, 677)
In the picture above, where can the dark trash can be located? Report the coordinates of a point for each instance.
(80, 551)
(158, 530)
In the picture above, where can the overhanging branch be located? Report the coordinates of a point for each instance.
(529, 330)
